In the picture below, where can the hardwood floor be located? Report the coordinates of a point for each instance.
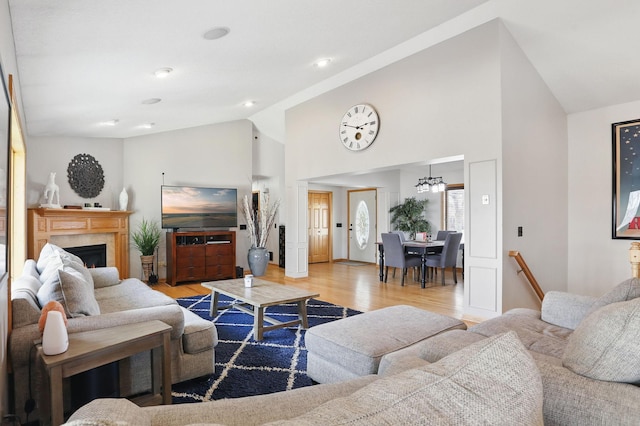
(359, 287)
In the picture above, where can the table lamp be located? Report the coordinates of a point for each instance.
(55, 339)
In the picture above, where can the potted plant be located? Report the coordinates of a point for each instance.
(259, 224)
(407, 216)
(146, 238)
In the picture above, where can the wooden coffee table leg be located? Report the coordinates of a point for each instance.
(258, 322)
(302, 313)
(213, 311)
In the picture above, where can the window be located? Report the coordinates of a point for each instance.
(454, 207)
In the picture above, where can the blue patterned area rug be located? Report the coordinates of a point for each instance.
(246, 367)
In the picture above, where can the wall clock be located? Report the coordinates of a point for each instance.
(85, 176)
(359, 127)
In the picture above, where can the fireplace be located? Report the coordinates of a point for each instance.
(73, 228)
(93, 256)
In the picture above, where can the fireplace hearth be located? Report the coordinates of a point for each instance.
(93, 256)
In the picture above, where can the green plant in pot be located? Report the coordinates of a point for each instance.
(146, 238)
(408, 216)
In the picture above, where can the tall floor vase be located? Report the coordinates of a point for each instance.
(258, 257)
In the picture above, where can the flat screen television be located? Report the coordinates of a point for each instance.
(196, 207)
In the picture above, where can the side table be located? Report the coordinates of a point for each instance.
(91, 349)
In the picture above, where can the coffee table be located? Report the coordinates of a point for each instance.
(262, 294)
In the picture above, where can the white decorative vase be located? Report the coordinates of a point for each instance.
(55, 339)
(258, 257)
(124, 200)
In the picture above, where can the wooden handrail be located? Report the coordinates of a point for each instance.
(527, 272)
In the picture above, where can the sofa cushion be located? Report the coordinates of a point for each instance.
(199, 334)
(131, 293)
(606, 344)
(535, 334)
(77, 291)
(494, 381)
(102, 414)
(626, 290)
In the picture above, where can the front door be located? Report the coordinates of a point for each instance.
(362, 225)
(319, 226)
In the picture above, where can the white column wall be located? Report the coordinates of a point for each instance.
(441, 102)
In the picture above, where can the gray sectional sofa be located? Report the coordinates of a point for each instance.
(494, 381)
(579, 355)
(96, 298)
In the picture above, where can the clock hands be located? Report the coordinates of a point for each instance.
(360, 127)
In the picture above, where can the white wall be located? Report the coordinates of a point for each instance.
(534, 157)
(214, 155)
(596, 262)
(441, 102)
(53, 154)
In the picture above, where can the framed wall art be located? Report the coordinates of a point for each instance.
(626, 179)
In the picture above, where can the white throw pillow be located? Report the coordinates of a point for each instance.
(50, 249)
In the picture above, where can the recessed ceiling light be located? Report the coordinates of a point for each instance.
(163, 72)
(249, 104)
(321, 63)
(110, 122)
(216, 33)
(147, 125)
(151, 101)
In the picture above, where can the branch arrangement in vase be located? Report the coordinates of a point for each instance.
(259, 222)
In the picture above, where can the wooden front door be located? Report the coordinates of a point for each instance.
(319, 227)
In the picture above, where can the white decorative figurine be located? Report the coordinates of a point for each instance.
(50, 191)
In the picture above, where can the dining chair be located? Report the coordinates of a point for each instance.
(442, 235)
(448, 257)
(395, 256)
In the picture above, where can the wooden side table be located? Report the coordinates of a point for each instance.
(91, 349)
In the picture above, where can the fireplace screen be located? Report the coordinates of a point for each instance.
(93, 256)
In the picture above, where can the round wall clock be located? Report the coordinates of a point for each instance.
(359, 127)
(85, 176)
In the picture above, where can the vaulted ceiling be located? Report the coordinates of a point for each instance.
(83, 63)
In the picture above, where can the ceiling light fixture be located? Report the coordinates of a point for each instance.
(321, 63)
(431, 184)
(163, 72)
(151, 101)
(249, 104)
(110, 122)
(216, 33)
(147, 125)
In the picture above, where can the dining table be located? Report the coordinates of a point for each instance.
(420, 248)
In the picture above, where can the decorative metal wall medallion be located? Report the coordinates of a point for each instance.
(85, 176)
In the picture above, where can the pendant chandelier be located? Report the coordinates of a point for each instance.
(431, 184)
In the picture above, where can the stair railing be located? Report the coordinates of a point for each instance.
(527, 273)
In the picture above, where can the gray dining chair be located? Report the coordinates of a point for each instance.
(395, 256)
(447, 258)
(442, 235)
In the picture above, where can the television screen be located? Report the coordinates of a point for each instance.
(193, 207)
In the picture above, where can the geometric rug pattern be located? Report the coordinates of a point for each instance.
(246, 367)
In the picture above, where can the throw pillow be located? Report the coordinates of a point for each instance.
(626, 290)
(606, 344)
(50, 289)
(494, 381)
(48, 250)
(77, 290)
